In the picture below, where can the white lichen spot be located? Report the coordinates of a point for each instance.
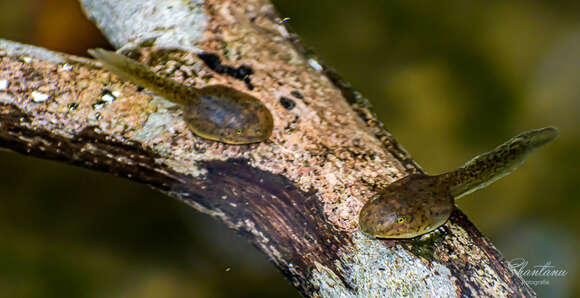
(39, 96)
(380, 271)
(4, 84)
(314, 64)
(178, 25)
(331, 178)
(158, 124)
(25, 59)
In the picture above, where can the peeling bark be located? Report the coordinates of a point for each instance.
(296, 197)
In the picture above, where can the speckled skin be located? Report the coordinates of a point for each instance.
(419, 203)
(216, 112)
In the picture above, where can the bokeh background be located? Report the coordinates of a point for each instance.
(449, 81)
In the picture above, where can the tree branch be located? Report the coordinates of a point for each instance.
(296, 197)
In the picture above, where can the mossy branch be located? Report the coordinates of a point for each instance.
(296, 196)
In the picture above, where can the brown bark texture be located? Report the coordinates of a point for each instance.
(296, 197)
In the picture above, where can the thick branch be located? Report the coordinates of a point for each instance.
(296, 196)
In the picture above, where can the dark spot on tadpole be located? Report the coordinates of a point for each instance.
(287, 103)
(297, 94)
(241, 73)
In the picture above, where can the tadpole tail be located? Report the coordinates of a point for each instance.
(488, 167)
(133, 71)
(541, 136)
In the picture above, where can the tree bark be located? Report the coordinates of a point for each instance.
(296, 197)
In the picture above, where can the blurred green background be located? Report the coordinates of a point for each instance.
(449, 81)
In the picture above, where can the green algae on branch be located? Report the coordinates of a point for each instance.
(420, 203)
(217, 112)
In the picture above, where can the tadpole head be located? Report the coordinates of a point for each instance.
(407, 208)
(230, 116)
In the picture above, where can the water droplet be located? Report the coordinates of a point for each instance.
(99, 105)
(73, 106)
(108, 98)
(314, 64)
(39, 96)
(66, 67)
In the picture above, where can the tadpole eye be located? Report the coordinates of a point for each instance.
(239, 131)
(400, 219)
